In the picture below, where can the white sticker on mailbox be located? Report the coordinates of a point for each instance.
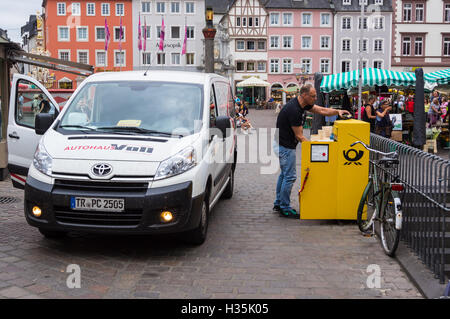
(319, 153)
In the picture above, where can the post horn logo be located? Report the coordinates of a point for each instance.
(353, 156)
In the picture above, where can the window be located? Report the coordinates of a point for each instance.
(261, 45)
(420, 9)
(100, 58)
(324, 66)
(379, 2)
(447, 12)
(190, 59)
(287, 65)
(306, 42)
(99, 33)
(324, 42)
(345, 66)
(364, 23)
(418, 46)
(364, 47)
(117, 34)
(274, 66)
(190, 32)
(306, 66)
(90, 9)
(76, 9)
(287, 42)
(378, 45)
(146, 58)
(287, 18)
(274, 19)
(250, 21)
(238, 21)
(160, 7)
(146, 7)
(240, 66)
(346, 45)
(64, 55)
(61, 8)
(83, 56)
(447, 46)
(361, 2)
(63, 34)
(120, 10)
(175, 32)
(256, 22)
(274, 42)
(105, 9)
(379, 23)
(306, 19)
(190, 8)
(364, 64)
(175, 7)
(251, 45)
(378, 64)
(161, 59)
(406, 46)
(250, 66)
(82, 34)
(176, 59)
(325, 19)
(261, 66)
(346, 23)
(407, 12)
(146, 33)
(240, 45)
(346, 2)
(244, 21)
(119, 58)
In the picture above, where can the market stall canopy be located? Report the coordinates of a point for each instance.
(441, 77)
(252, 82)
(370, 78)
(292, 89)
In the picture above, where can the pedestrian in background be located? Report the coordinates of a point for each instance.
(434, 111)
(369, 114)
(383, 123)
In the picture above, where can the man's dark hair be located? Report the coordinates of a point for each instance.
(305, 89)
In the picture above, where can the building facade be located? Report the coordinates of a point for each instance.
(75, 31)
(375, 31)
(247, 22)
(300, 43)
(421, 35)
(177, 15)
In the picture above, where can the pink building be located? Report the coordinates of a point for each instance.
(300, 43)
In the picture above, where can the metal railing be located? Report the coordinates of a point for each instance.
(425, 201)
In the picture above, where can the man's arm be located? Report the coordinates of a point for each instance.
(298, 131)
(328, 111)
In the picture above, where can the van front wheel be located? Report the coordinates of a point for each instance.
(197, 236)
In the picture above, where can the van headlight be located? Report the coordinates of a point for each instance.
(177, 164)
(42, 160)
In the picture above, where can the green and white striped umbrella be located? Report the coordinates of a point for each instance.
(370, 78)
(441, 77)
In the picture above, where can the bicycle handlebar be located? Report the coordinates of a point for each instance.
(390, 154)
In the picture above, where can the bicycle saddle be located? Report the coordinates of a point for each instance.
(388, 160)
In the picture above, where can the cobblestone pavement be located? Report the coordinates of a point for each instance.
(250, 253)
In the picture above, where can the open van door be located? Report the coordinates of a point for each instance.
(25, 101)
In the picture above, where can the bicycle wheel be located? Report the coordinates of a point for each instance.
(390, 236)
(366, 208)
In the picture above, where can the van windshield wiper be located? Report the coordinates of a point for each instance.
(137, 130)
(78, 126)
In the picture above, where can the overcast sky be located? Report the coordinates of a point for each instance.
(15, 14)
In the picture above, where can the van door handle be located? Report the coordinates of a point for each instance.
(14, 135)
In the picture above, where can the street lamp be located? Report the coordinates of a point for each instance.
(360, 59)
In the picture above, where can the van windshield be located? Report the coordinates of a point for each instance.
(136, 108)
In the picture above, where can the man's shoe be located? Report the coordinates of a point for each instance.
(289, 213)
(276, 209)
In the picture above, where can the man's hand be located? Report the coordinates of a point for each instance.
(343, 112)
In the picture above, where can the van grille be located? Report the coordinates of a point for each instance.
(129, 218)
(101, 186)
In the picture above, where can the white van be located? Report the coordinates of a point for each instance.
(130, 153)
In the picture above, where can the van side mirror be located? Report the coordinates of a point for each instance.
(223, 123)
(42, 123)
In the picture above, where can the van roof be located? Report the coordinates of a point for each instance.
(169, 76)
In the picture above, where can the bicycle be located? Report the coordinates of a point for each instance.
(380, 201)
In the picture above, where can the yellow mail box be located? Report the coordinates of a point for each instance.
(334, 173)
